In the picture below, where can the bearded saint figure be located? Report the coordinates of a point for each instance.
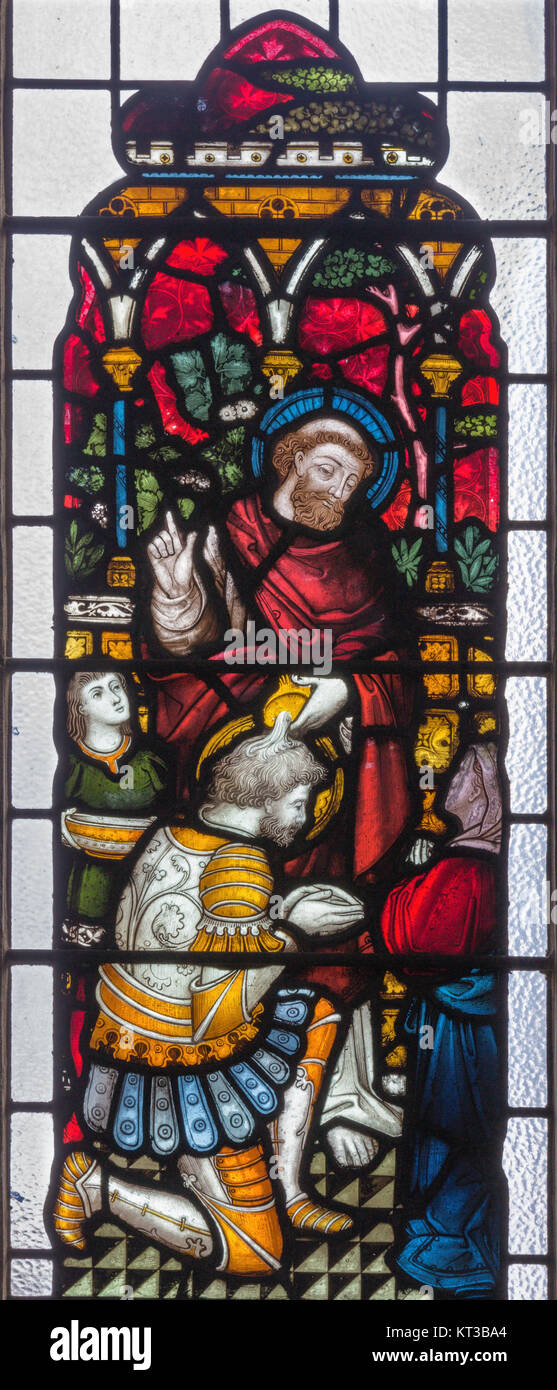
(299, 555)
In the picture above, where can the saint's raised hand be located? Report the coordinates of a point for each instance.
(171, 557)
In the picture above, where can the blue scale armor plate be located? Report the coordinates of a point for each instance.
(128, 1125)
(163, 1125)
(199, 1126)
(258, 1093)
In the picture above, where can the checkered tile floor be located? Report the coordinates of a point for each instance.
(351, 1269)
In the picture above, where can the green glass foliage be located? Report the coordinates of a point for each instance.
(191, 375)
(407, 559)
(149, 497)
(88, 479)
(145, 438)
(314, 79)
(343, 266)
(81, 552)
(389, 121)
(231, 363)
(227, 455)
(478, 286)
(476, 424)
(476, 560)
(96, 443)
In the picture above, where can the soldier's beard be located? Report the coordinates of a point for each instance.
(313, 509)
(281, 834)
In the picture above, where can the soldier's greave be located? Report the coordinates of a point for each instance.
(170, 1218)
(290, 1130)
(233, 1186)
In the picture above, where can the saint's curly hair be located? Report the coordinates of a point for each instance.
(310, 436)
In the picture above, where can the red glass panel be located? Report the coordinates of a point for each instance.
(368, 368)
(241, 310)
(396, 514)
(200, 256)
(230, 98)
(329, 324)
(174, 310)
(173, 422)
(480, 390)
(89, 314)
(73, 422)
(77, 372)
(475, 339)
(73, 1132)
(279, 39)
(476, 487)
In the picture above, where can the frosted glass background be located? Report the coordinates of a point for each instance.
(41, 294)
(525, 1164)
(527, 597)
(32, 1032)
(163, 42)
(31, 1161)
(519, 299)
(316, 10)
(31, 1279)
(528, 1283)
(402, 50)
(51, 39)
(496, 40)
(526, 760)
(31, 885)
(489, 163)
(527, 997)
(33, 753)
(527, 497)
(62, 152)
(33, 603)
(32, 448)
(527, 875)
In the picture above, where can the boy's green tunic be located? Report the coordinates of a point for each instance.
(125, 784)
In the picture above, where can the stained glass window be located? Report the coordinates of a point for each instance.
(280, 820)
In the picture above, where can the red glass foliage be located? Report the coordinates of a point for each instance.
(480, 390)
(173, 422)
(240, 307)
(368, 368)
(174, 310)
(73, 1133)
(475, 339)
(89, 314)
(476, 487)
(200, 256)
(230, 98)
(396, 513)
(76, 1024)
(73, 422)
(322, 370)
(77, 371)
(328, 325)
(279, 40)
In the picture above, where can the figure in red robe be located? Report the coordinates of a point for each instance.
(292, 564)
(301, 580)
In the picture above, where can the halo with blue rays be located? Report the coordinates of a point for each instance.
(303, 403)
